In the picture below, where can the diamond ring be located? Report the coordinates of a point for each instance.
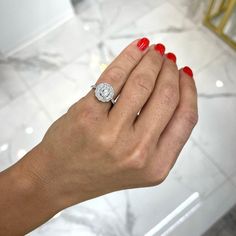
(104, 92)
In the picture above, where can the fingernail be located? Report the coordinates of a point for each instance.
(188, 71)
(171, 56)
(143, 43)
(160, 48)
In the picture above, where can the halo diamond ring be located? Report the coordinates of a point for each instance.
(104, 92)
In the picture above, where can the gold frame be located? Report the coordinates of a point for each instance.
(226, 8)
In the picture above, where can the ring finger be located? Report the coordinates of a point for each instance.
(118, 71)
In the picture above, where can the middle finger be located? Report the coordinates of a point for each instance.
(138, 87)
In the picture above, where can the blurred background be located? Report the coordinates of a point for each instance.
(52, 51)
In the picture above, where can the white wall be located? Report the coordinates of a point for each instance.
(22, 20)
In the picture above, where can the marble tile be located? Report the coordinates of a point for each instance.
(196, 42)
(233, 179)
(73, 81)
(91, 218)
(144, 208)
(156, 21)
(116, 44)
(58, 92)
(217, 108)
(216, 136)
(193, 165)
(218, 78)
(225, 226)
(11, 85)
(214, 207)
(86, 69)
(50, 53)
(5, 158)
(153, 26)
(19, 135)
(29, 135)
(187, 37)
(106, 17)
(59, 69)
(141, 209)
(120, 204)
(4, 98)
(193, 9)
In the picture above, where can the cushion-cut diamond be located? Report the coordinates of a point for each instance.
(105, 92)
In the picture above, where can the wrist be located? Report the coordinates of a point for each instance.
(25, 200)
(32, 179)
(48, 172)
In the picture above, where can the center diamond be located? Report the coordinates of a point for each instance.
(104, 92)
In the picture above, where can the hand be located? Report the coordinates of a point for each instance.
(97, 148)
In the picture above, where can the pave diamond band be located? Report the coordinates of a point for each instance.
(104, 92)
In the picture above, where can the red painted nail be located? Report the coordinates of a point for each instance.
(171, 56)
(160, 48)
(143, 44)
(188, 71)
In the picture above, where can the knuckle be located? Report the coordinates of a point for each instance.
(180, 140)
(73, 109)
(105, 141)
(158, 177)
(85, 116)
(115, 73)
(138, 163)
(138, 159)
(109, 140)
(162, 175)
(143, 82)
(78, 106)
(152, 71)
(172, 69)
(131, 56)
(154, 59)
(191, 117)
(170, 95)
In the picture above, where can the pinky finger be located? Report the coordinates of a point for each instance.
(181, 125)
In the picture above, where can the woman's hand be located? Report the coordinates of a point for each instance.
(97, 148)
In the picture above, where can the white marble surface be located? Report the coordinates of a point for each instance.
(210, 210)
(50, 53)
(195, 171)
(23, 123)
(91, 218)
(194, 9)
(11, 85)
(233, 179)
(40, 82)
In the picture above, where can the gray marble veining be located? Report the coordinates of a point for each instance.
(40, 82)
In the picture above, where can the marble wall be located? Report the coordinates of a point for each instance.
(40, 82)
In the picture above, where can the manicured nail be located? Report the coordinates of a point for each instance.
(143, 44)
(188, 71)
(160, 48)
(171, 56)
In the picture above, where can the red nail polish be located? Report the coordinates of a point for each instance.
(160, 48)
(188, 71)
(143, 44)
(171, 56)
